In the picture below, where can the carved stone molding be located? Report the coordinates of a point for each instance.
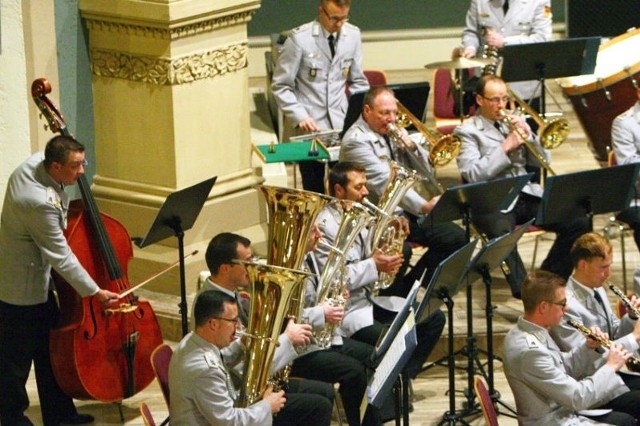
(180, 31)
(169, 71)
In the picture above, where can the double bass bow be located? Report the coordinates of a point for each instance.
(98, 352)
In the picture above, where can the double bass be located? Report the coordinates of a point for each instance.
(98, 352)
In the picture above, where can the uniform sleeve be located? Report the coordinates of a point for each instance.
(357, 80)
(623, 141)
(284, 81)
(470, 36)
(475, 165)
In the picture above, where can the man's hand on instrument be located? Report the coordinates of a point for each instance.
(106, 296)
(308, 125)
(429, 205)
(617, 357)
(387, 263)
(494, 38)
(593, 343)
(298, 334)
(404, 224)
(275, 399)
(333, 314)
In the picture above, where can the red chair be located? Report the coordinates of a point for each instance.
(376, 77)
(443, 102)
(147, 418)
(488, 409)
(160, 358)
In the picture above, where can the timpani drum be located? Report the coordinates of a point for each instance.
(599, 97)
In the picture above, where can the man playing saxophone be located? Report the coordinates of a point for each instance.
(366, 143)
(588, 304)
(364, 319)
(492, 149)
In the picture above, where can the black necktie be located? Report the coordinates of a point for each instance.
(386, 139)
(331, 38)
(505, 7)
(496, 124)
(597, 296)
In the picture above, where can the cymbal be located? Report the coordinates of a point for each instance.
(460, 63)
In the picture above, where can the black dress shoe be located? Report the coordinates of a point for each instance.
(78, 419)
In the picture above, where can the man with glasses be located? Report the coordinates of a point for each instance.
(492, 149)
(32, 243)
(318, 61)
(551, 386)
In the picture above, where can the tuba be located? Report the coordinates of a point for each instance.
(387, 231)
(272, 289)
(333, 281)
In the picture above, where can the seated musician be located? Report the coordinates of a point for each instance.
(492, 149)
(550, 386)
(588, 304)
(366, 143)
(625, 141)
(341, 363)
(201, 389)
(364, 320)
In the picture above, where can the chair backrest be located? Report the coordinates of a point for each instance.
(147, 418)
(443, 99)
(160, 358)
(488, 410)
(376, 77)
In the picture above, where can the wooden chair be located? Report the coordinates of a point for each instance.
(488, 409)
(160, 358)
(376, 77)
(147, 418)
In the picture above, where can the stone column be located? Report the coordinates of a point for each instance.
(171, 105)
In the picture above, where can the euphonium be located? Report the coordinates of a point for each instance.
(442, 148)
(272, 289)
(333, 281)
(385, 235)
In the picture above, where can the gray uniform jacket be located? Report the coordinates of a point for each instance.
(202, 392)
(362, 273)
(625, 138)
(481, 156)
(527, 21)
(32, 240)
(584, 308)
(363, 146)
(542, 378)
(307, 82)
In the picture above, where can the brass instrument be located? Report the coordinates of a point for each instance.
(385, 235)
(333, 281)
(552, 133)
(627, 302)
(442, 148)
(530, 147)
(491, 53)
(633, 363)
(272, 289)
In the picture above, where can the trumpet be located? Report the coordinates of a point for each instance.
(633, 363)
(631, 308)
(532, 149)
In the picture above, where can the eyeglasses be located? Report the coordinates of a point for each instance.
(336, 19)
(77, 164)
(497, 99)
(233, 320)
(562, 303)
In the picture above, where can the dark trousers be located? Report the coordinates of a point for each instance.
(309, 402)
(558, 259)
(343, 364)
(24, 338)
(312, 173)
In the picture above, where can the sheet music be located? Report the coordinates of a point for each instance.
(392, 357)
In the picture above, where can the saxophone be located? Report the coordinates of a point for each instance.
(334, 279)
(388, 234)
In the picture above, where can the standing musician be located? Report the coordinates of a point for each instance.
(319, 59)
(625, 140)
(550, 386)
(588, 304)
(365, 318)
(367, 144)
(32, 242)
(490, 150)
(200, 386)
(495, 24)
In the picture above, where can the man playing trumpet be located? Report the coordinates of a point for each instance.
(492, 149)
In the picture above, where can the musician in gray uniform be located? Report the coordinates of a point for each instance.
(500, 23)
(201, 389)
(490, 150)
(588, 304)
(34, 216)
(550, 387)
(625, 141)
(367, 144)
(312, 74)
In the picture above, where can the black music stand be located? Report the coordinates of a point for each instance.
(587, 193)
(490, 256)
(553, 59)
(177, 215)
(446, 282)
